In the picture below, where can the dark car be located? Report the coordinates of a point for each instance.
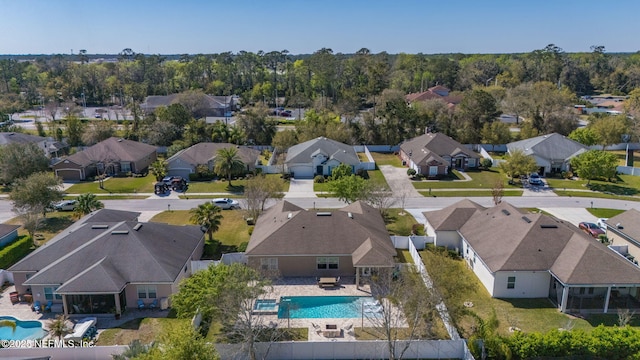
(285, 113)
(591, 229)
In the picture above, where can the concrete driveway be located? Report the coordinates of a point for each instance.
(299, 188)
(572, 215)
(399, 181)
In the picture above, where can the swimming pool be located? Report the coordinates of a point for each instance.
(25, 330)
(320, 307)
(265, 305)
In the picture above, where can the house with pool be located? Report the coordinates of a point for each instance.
(107, 262)
(516, 254)
(291, 241)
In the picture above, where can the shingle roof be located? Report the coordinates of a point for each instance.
(551, 146)
(6, 229)
(434, 146)
(357, 229)
(201, 153)
(303, 152)
(508, 240)
(18, 138)
(452, 217)
(113, 148)
(99, 259)
(629, 224)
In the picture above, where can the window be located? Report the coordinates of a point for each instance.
(147, 292)
(591, 291)
(269, 263)
(511, 282)
(125, 166)
(327, 262)
(433, 170)
(49, 293)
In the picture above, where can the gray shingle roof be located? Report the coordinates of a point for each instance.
(201, 153)
(629, 224)
(113, 148)
(302, 153)
(97, 259)
(434, 146)
(551, 146)
(452, 217)
(286, 229)
(508, 240)
(6, 229)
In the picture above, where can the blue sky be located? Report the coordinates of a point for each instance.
(304, 26)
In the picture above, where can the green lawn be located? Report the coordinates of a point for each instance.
(387, 159)
(144, 329)
(624, 185)
(222, 186)
(595, 195)
(374, 176)
(604, 213)
(116, 185)
(50, 226)
(485, 179)
(468, 193)
(402, 224)
(530, 315)
(622, 155)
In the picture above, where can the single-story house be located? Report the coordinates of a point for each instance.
(8, 234)
(623, 230)
(290, 241)
(437, 92)
(112, 156)
(435, 154)
(108, 261)
(209, 105)
(186, 161)
(319, 156)
(49, 146)
(553, 152)
(516, 254)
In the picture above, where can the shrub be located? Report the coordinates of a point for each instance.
(16, 251)
(486, 163)
(319, 179)
(411, 172)
(250, 230)
(243, 246)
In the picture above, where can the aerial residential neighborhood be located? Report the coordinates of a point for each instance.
(243, 181)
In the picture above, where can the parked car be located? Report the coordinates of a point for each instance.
(535, 179)
(602, 223)
(285, 113)
(591, 229)
(65, 205)
(160, 188)
(225, 203)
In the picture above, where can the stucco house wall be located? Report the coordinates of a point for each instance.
(306, 266)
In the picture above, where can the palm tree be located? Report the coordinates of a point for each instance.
(228, 163)
(208, 216)
(58, 326)
(87, 203)
(159, 169)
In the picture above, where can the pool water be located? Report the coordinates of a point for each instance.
(320, 307)
(25, 330)
(265, 305)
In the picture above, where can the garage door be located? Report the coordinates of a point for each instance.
(302, 171)
(179, 172)
(69, 175)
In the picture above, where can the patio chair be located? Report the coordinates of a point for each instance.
(47, 308)
(153, 305)
(141, 304)
(15, 297)
(37, 306)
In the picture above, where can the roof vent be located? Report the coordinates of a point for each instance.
(326, 213)
(526, 219)
(548, 226)
(619, 226)
(350, 215)
(289, 216)
(120, 232)
(137, 227)
(98, 226)
(506, 212)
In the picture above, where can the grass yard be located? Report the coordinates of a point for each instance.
(387, 159)
(222, 186)
(363, 157)
(604, 213)
(622, 155)
(144, 329)
(233, 229)
(375, 176)
(468, 193)
(458, 284)
(625, 185)
(50, 226)
(484, 179)
(595, 195)
(116, 185)
(402, 225)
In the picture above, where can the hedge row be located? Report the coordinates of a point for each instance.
(16, 251)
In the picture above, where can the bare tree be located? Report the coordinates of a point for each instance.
(403, 201)
(260, 189)
(401, 312)
(625, 316)
(380, 197)
(498, 191)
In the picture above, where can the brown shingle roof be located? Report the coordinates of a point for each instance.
(430, 145)
(452, 217)
(286, 229)
(201, 153)
(629, 224)
(114, 149)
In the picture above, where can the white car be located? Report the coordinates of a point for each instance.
(226, 203)
(602, 223)
(65, 205)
